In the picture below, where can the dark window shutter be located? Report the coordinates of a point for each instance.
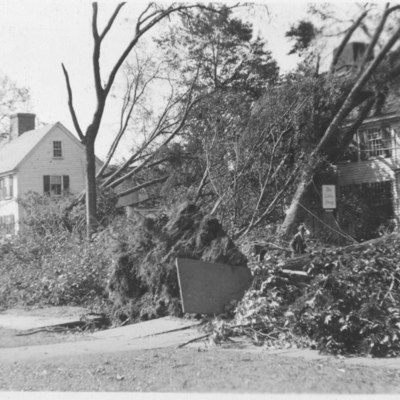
(66, 183)
(386, 139)
(364, 153)
(46, 183)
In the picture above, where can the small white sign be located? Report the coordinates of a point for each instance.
(329, 196)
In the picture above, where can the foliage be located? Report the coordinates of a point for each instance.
(352, 307)
(303, 34)
(349, 304)
(365, 213)
(263, 312)
(222, 49)
(49, 262)
(44, 214)
(12, 99)
(57, 269)
(232, 70)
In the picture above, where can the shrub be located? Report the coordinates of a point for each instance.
(44, 214)
(61, 269)
(50, 262)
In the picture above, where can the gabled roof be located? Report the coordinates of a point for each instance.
(13, 152)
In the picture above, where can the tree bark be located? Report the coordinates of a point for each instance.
(91, 193)
(294, 214)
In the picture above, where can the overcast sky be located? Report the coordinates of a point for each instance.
(38, 35)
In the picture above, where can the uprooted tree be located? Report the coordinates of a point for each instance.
(368, 85)
(143, 282)
(149, 18)
(219, 151)
(214, 56)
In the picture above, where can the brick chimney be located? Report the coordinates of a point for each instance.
(20, 123)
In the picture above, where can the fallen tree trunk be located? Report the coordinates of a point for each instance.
(375, 242)
(302, 262)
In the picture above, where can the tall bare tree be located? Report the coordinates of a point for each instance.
(149, 18)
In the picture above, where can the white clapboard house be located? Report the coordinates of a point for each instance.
(372, 160)
(48, 160)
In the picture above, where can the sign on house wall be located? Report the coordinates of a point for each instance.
(329, 197)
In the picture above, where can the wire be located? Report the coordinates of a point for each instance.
(334, 230)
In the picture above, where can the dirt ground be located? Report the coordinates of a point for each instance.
(190, 370)
(10, 338)
(194, 369)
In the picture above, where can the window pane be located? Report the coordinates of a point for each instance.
(57, 150)
(374, 144)
(55, 185)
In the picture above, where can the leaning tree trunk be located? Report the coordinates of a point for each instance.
(331, 134)
(294, 212)
(91, 195)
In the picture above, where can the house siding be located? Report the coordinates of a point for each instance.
(40, 162)
(366, 171)
(376, 170)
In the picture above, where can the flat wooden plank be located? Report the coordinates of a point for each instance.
(206, 288)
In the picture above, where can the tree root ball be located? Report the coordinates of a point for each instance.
(143, 282)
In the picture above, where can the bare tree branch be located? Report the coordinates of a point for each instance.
(142, 186)
(71, 107)
(346, 39)
(173, 134)
(111, 20)
(125, 118)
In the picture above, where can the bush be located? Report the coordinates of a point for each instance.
(61, 269)
(44, 214)
(50, 262)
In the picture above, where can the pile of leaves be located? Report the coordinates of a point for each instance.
(349, 304)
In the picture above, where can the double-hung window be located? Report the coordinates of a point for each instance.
(55, 185)
(57, 149)
(375, 142)
(6, 188)
(370, 143)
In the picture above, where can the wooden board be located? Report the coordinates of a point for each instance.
(207, 287)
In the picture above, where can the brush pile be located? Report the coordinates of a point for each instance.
(350, 304)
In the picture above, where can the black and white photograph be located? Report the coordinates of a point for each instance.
(199, 199)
